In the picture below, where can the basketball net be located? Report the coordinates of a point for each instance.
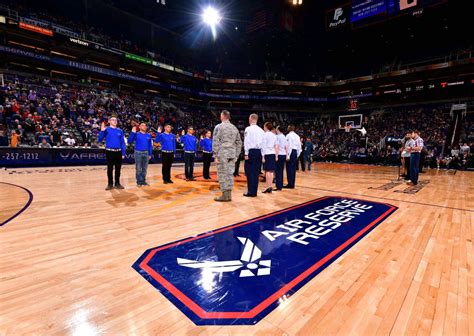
(348, 128)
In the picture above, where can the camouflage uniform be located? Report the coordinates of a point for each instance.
(226, 145)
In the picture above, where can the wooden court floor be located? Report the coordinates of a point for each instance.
(65, 265)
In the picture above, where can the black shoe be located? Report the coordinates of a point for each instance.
(288, 187)
(145, 184)
(119, 186)
(277, 189)
(170, 181)
(109, 187)
(192, 179)
(165, 182)
(248, 195)
(267, 191)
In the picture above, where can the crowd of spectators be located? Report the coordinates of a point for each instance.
(41, 113)
(37, 112)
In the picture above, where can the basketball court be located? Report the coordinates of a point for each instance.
(68, 248)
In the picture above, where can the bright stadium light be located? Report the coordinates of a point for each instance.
(211, 17)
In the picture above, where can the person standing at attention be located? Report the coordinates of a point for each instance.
(114, 151)
(189, 142)
(206, 145)
(226, 146)
(294, 151)
(168, 149)
(282, 155)
(269, 155)
(253, 139)
(143, 152)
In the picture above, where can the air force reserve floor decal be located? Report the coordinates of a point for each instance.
(236, 274)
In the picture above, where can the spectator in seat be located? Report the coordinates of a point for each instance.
(3, 139)
(42, 135)
(56, 137)
(15, 139)
(465, 149)
(44, 144)
(455, 151)
(70, 141)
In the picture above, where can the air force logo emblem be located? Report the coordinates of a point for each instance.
(249, 259)
(238, 274)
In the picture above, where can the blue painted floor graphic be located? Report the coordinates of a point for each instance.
(237, 274)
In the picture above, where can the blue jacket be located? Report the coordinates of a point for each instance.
(168, 141)
(144, 142)
(189, 142)
(114, 138)
(206, 145)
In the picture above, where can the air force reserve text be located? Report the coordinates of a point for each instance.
(318, 223)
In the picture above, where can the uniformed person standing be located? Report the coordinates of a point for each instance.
(282, 155)
(415, 151)
(206, 145)
(114, 151)
(168, 149)
(253, 140)
(294, 151)
(226, 146)
(189, 142)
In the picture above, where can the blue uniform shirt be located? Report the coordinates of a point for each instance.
(206, 145)
(308, 147)
(189, 142)
(114, 138)
(168, 141)
(143, 141)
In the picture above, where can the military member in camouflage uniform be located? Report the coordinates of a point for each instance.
(226, 146)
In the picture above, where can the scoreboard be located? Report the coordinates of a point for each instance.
(364, 9)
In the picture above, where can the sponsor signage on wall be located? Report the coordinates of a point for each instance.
(338, 16)
(405, 4)
(362, 9)
(138, 58)
(35, 29)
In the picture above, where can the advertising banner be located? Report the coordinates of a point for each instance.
(362, 9)
(31, 157)
(35, 29)
(405, 4)
(338, 17)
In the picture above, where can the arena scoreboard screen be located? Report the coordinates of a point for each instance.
(365, 9)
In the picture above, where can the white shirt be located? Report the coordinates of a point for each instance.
(253, 138)
(294, 142)
(282, 144)
(269, 142)
(70, 141)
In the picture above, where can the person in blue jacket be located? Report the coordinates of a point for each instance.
(206, 146)
(143, 151)
(189, 143)
(114, 151)
(168, 149)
